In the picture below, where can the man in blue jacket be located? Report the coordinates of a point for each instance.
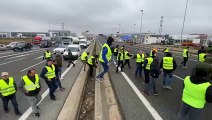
(105, 57)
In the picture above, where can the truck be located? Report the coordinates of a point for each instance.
(83, 43)
(37, 39)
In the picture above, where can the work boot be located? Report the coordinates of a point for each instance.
(6, 110)
(18, 113)
(37, 114)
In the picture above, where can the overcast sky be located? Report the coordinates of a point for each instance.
(104, 16)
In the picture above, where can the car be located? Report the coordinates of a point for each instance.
(83, 43)
(3, 47)
(88, 43)
(75, 49)
(22, 46)
(59, 49)
(45, 44)
(12, 44)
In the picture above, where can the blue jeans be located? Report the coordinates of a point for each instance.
(52, 87)
(12, 98)
(138, 70)
(105, 70)
(59, 71)
(167, 81)
(151, 85)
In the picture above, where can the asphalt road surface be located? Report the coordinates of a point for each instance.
(17, 64)
(165, 106)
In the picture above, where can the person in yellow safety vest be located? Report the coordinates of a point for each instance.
(168, 65)
(196, 93)
(127, 58)
(115, 53)
(8, 90)
(30, 85)
(105, 57)
(147, 62)
(202, 57)
(84, 58)
(120, 59)
(139, 58)
(166, 50)
(47, 55)
(49, 75)
(153, 53)
(92, 61)
(186, 55)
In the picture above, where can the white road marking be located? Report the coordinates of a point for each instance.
(152, 111)
(29, 111)
(33, 66)
(19, 53)
(5, 53)
(12, 61)
(39, 57)
(178, 77)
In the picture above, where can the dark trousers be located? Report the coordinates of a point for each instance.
(185, 59)
(194, 114)
(146, 72)
(120, 62)
(52, 87)
(91, 70)
(138, 69)
(58, 81)
(127, 61)
(12, 98)
(70, 62)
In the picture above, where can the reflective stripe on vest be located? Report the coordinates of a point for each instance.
(51, 72)
(168, 63)
(83, 56)
(108, 55)
(194, 94)
(90, 60)
(126, 56)
(150, 60)
(29, 85)
(48, 54)
(202, 57)
(7, 89)
(185, 53)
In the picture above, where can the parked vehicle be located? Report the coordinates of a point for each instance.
(3, 47)
(23, 46)
(45, 44)
(61, 49)
(37, 40)
(12, 44)
(75, 49)
(83, 43)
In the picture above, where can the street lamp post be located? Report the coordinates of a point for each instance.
(134, 34)
(183, 23)
(141, 23)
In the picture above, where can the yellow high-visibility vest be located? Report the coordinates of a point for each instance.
(108, 55)
(7, 89)
(51, 72)
(150, 60)
(168, 63)
(84, 55)
(29, 85)
(90, 60)
(48, 54)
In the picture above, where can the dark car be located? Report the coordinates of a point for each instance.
(45, 44)
(22, 46)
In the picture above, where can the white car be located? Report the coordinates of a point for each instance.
(83, 43)
(75, 49)
(88, 43)
(60, 50)
(12, 44)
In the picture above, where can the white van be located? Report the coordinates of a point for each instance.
(83, 43)
(75, 49)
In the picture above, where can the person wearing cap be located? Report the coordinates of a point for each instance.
(8, 91)
(127, 57)
(201, 57)
(147, 62)
(30, 86)
(166, 50)
(120, 59)
(154, 74)
(70, 58)
(186, 55)
(168, 65)
(47, 55)
(57, 75)
(139, 58)
(105, 57)
(84, 59)
(49, 75)
(92, 61)
(197, 92)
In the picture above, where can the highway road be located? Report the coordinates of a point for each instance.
(165, 106)
(17, 64)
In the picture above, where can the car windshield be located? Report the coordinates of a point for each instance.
(73, 49)
(82, 42)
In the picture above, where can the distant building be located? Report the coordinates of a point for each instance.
(55, 33)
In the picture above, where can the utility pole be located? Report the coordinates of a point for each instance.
(62, 24)
(142, 11)
(161, 26)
